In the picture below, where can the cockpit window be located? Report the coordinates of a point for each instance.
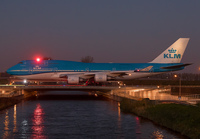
(20, 63)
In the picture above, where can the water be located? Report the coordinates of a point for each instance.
(72, 116)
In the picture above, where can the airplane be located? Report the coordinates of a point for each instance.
(77, 72)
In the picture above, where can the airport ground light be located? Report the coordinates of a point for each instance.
(179, 77)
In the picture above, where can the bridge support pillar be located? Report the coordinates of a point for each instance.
(111, 92)
(22, 91)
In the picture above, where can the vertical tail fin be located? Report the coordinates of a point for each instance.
(174, 53)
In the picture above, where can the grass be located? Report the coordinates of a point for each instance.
(181, 118)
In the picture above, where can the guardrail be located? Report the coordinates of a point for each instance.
(193, 96)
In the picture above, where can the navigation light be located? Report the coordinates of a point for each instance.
(38, 59)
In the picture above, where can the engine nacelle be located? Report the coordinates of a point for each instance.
(71, 79)
(100, 77)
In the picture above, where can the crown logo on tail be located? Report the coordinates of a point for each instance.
(172, 54)
(172, 50)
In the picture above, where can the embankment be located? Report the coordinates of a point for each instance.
(184, 119)
(6, 102)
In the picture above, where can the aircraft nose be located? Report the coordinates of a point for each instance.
(10, 71)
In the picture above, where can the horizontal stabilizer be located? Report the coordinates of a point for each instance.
(175, 67)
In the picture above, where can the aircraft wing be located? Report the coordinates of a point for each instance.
(176, 66)
(88, 75)
(113, 74)
(109, 73)
(119, 73)
(81, 75)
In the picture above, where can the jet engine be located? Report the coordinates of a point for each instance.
(100, 77)
(71, 79)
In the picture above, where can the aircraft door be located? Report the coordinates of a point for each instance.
(87, 69)
(55, 70)
(45, 62)
(113, 69)
(30, 70)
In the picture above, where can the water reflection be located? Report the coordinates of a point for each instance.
(157, 135)
(119, 112)
(119, 117)
(7, 129)
(6, 126)
(138, 129)
(15, 119)
(24, 128)
(38, 120)
(75, 119)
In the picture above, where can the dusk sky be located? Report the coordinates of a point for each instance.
(127, 31)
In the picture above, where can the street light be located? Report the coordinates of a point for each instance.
(125, 90)
(179, 94)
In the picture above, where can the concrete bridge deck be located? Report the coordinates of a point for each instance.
(83, 87)
(57, 87)
(71, 87)
(133, 92)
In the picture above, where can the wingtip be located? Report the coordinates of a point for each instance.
(185, 38)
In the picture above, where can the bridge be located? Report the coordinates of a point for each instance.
(20, 89)
(57, 87)
(161, 93)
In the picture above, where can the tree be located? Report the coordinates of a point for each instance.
(47, 58)
(87, 59)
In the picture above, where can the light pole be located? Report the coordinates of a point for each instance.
(125, 90)
(179, 94)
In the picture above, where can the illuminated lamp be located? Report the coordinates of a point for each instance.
(38, 59)
(25, 81)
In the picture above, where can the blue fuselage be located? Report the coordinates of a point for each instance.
(30, 67)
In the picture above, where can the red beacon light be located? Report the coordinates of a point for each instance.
(38, 59)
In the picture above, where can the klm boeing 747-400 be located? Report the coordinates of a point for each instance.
(76, 72)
